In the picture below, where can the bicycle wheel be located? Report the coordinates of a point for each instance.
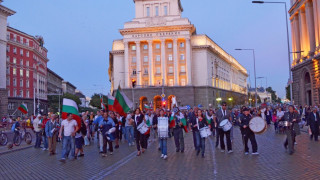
(3, 139)
(17, 140)
(28, 138)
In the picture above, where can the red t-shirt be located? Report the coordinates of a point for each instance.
(44, 122)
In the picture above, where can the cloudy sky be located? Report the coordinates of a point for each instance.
(79, 35)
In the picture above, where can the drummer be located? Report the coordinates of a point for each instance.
(247, 132)
(222, 114)
(196, 125)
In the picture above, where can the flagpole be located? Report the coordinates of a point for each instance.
(34, 101)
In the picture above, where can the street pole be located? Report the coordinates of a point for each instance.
(38, 93)
(34, 101)
(255, 79)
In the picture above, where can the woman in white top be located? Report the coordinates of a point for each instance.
(163, 128)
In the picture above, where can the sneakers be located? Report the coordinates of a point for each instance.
(165, 157)
(104, 155)
(63, 160)
(255, 153)
(246, 153)
(44, 149)
(222, 151)
(295, 143)
(230, 151)
(162, 155)
(111, 153)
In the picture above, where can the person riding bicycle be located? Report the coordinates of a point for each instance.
(16, 129)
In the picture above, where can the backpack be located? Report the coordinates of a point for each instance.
(13, 127)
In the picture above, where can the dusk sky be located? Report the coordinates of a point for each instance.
(79, 34)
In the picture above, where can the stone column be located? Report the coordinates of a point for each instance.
(316, 19)
(176, 61)
(304, 39)
(139, 73)
(297, 36)
(126, 65)
(151, 66)
(310, 25)
(189, 65)
(163, 62)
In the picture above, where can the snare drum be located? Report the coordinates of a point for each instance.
(163, 127)
(225, 125)
(286, 124)
(205, 132)
(143, 128)
(258, 125)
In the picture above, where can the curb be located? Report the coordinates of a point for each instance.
(15, 150)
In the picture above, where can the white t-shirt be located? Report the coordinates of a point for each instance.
(280, 114)
(69, 127)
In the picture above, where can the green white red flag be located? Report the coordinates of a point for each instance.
(147, 107)
(122, 104)
(23, 108)
(110, 102)
(182, 120)
(70, 106)
(103, 106)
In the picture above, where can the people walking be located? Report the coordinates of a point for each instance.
(51, 129)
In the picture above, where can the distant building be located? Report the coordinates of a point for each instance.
(54, 83)
(67, 87)
(264, 95)
(305, 27)
(82, 98)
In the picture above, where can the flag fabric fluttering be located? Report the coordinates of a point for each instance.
(110, 102)
(70, 106)
(122, 103)
(23, 108)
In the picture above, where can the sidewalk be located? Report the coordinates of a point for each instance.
(23, 145)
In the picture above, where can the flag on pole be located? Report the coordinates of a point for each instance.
(110, 102)
(103, 106)
(182, 119)
(69, 106)
(122, 104)
(147, 107)
(23, 108)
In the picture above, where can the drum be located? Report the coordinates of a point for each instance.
(163, 127)
(225, 125)
(143, 128)
(205, 132)
(286, 123)
(258, 125)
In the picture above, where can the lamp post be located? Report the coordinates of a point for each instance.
(255, 79)
(266, 81)
(285, 10)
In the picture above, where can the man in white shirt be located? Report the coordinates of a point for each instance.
(69, 128)
(37, 128)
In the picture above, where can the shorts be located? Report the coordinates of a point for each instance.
(79, 142)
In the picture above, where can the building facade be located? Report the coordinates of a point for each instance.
(305, 27)
(54, 82)
(4, 13)
(67, 87)
(26, 71)
(160, 53)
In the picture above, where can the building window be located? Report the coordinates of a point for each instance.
(8, 35)
(158, 70)
(183, 69)
(27, 41)
(8, 70)
(170, 57)
(27, 83)
(158, 58)
(148, 11)
(182, 45)
(15, 50)
(170, 45)
(21, 93)
(27, 73)
(15, 37)
(170, 82)
(134, 72)
(21, 52)
(183, 82)
(145, 47)
(21, 72)
(181, 56)
(145, 70)
(14, 60)
(27, 63)
(134, 59)
(10, 105)
(28, 94)
(14, 71)
(165, 9)
(8, 48)
(157, 46)
(157, 10)
(170, 69)
(14, 82)
(27, 54)
(8, 58)
(21, 83)
(8, 81)
(145, 59)
(133, 47)
(21, 62)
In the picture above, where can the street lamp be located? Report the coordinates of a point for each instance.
(254, 65)
(285, 10)
(266, 81)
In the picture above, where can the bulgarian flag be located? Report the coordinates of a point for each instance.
(23, 108)
(69, 106)
(182, 120)
(147, 107)
(122, 104)
(103, 106)
(110, 102)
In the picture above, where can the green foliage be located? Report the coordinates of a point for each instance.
(274, 97)
(53, 101)
(96, 102)
(73, 97)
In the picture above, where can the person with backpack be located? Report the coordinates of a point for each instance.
(79, 140)
(15, 128)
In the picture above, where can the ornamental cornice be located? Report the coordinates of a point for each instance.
(6, 11)
(296, 6)
(117, 52)
(190, 28)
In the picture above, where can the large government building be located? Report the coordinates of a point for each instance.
(161, 53)
(305, 25)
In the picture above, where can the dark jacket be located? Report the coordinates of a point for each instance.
(289, 117)
(202, 123)
(314, 121)
(138, 122)
(192, 120)
(244, 121)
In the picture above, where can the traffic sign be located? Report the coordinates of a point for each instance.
(163, 95)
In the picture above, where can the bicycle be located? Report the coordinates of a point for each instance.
(3, 138)
(24, 135)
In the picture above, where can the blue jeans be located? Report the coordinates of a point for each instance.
(38, 140)
(45, 141)
(67, 146)
(130, 134)
(124, 132)
(163, 146)
(201, 142)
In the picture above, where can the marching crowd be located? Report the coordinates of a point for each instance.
(138, 128)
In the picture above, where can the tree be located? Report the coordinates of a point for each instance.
(53, 101)
(273, 94)
(72, 97)
(96, 100)
(288, 92)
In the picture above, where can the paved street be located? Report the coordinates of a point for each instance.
(272, 163)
